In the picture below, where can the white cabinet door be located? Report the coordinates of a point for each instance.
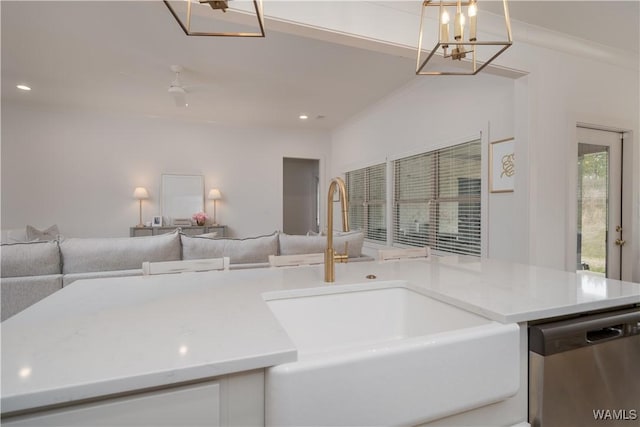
(196, 405)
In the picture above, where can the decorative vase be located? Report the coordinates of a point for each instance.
(200, 222)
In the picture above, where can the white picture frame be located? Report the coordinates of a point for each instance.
(181, 196)
(502, 166)
(156, 221)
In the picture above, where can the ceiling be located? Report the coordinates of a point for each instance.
(607, 22)
(116, 56)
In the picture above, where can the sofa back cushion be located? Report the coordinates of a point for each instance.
(30, 259)
(239, 251)
(80, 255)
(296, 245)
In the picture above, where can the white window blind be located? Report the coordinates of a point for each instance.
(367, 194)
(437, 199)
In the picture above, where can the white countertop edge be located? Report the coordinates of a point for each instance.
(528, 316)
(49, 399)
(559, 311)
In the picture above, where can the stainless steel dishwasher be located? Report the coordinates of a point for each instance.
(586, 371)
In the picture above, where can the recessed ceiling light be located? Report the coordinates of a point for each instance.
(303, 117)
(23, 87)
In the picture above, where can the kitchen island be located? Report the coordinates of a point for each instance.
(112, 338)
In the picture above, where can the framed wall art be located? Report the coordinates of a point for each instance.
(502, 166)
(182, 196)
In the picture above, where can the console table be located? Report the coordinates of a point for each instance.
(191, 230)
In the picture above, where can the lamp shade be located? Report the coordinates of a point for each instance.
(140, 193)
(214, 194)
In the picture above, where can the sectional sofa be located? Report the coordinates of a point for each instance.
(33, 270)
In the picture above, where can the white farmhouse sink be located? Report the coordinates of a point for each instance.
(387, 357)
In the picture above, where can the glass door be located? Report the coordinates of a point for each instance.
(599, 202)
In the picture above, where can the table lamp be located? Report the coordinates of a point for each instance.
(214, 194)
(140, 193)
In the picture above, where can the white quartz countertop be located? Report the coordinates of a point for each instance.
(106, 336)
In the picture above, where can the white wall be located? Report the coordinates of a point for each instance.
(560, 91)
(427, 114)
(567, 81)
(79, 169)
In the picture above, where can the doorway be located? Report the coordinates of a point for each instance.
(599, 239)
(301, 195)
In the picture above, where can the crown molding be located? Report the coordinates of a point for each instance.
(392, 27)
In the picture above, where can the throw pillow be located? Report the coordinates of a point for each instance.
(50, 233)
(16, 235)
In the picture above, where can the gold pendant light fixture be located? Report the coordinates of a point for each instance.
(218, 8)
(458, 55)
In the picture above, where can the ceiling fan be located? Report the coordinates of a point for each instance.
(177, 89)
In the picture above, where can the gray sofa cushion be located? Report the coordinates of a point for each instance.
(120, 253)
(30, 259)
(296, 245)
(239, 251)
(19, 293)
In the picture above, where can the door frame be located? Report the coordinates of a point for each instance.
(609, 143)
(630, 222)
(319, 188)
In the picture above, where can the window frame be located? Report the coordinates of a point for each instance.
(366, 201)
(472, 218)
(432, 237)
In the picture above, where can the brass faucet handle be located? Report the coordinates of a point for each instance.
(343, 257)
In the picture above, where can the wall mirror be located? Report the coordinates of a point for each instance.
(182, 196)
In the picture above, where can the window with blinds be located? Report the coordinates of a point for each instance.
(437, 199)
(367, 194)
